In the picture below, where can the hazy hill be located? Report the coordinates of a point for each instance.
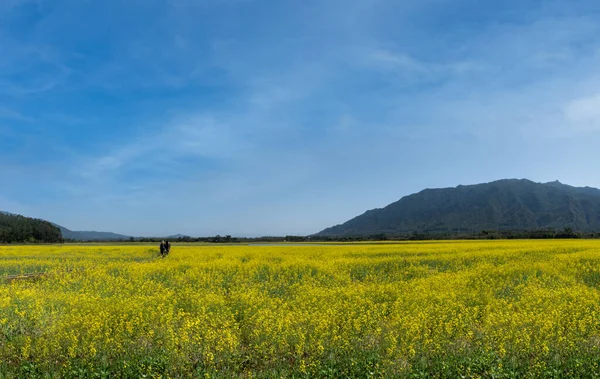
(175, 236)
(90, 235)
(509, 204)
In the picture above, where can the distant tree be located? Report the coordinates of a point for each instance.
(567, 233)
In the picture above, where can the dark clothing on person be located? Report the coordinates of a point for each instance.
(162, 249)
(167, 247)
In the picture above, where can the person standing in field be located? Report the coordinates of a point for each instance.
(163, 248)
(167, 247)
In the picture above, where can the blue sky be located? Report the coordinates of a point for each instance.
(252, 117)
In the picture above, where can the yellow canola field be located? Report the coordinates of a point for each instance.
(426, 309)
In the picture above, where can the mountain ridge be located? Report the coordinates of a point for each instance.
(502, 205)
(79, 235)
(89, 235)
(92, 235)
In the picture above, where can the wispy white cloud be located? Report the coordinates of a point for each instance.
(30, 68)
(194, 136)
(584, 112)
(404, 64)
(11, 114)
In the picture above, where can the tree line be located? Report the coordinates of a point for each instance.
(52, 236)
(414, 236)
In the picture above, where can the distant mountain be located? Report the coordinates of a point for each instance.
(90, 235)
(503, 205)
(175, 236)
